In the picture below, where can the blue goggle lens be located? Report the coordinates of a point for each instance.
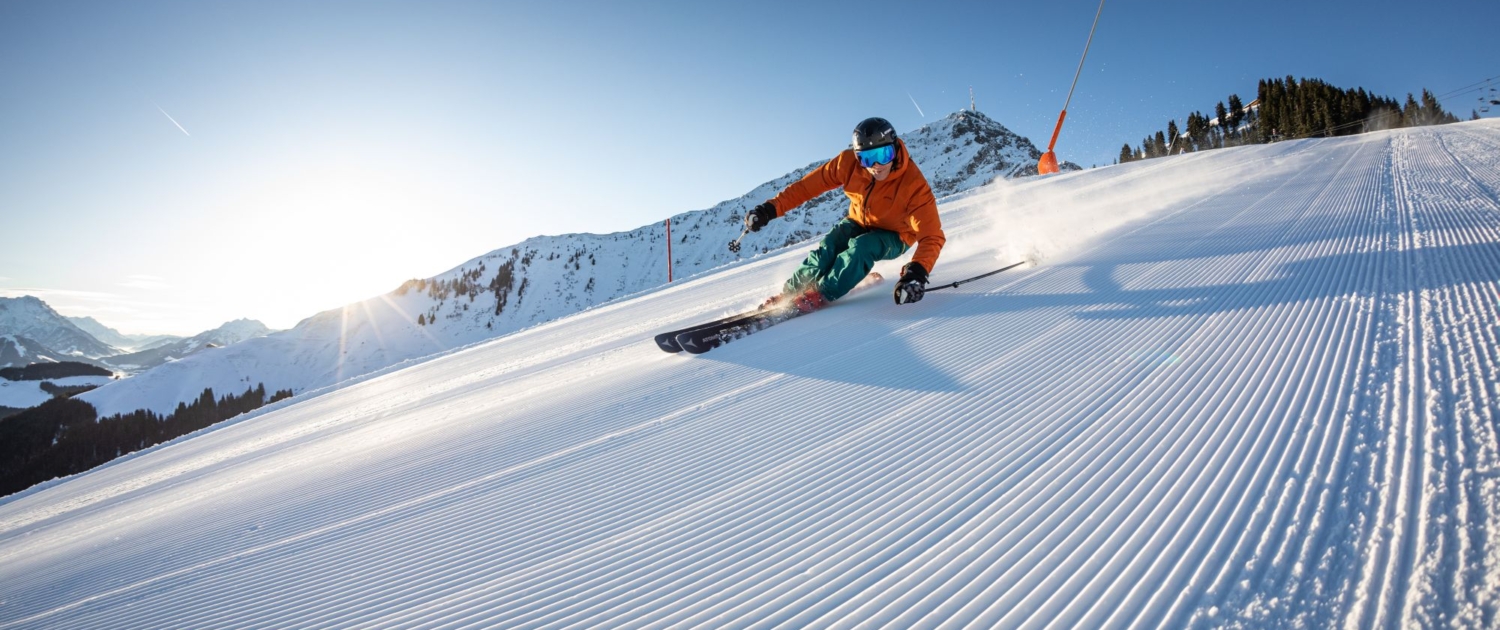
(877, 155)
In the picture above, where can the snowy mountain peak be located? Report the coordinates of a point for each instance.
(236, 331)
(30, 317)
(967, 149)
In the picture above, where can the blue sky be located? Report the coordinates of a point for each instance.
(167, 166)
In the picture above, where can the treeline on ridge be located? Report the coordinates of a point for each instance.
(1286, 109)
(64, 436)
(46, 371)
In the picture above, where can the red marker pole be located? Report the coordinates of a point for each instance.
(669, 249)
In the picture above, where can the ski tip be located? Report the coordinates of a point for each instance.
(669, 347)
(668, 343)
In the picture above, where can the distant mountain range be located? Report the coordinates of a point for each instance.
(32, 332)
(130, 343)
(547, 277)
(172, 350)
(41, 332)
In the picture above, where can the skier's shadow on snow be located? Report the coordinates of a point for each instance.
(1352, 275)
(840, 349)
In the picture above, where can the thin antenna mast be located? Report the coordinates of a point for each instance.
(972, 107)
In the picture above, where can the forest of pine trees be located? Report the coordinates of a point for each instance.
(1286, 109)
(45, 371)
(64, 436)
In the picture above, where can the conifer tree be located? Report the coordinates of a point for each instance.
(1197, 129)
(1236, 114)
(1430, 109)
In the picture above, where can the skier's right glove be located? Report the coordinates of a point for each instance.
(760, 216)
(912, 285)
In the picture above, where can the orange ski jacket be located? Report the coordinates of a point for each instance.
(903, 203)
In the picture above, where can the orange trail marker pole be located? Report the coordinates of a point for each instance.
(1048, 163)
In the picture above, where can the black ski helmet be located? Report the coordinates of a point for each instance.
(873, 132)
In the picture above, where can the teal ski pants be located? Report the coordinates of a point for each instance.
(843, 258)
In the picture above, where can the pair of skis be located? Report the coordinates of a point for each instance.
(701, 338)
(704, 337)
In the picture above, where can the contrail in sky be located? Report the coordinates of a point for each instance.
(908, 95)
(179, 125)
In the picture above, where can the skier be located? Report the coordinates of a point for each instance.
(891, 208)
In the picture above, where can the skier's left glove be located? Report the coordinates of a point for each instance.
(912, 285)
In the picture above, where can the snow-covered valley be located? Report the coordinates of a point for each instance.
(1249, 387)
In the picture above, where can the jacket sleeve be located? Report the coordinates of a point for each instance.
(832, 174)
(929, 229)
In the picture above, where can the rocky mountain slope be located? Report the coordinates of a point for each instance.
(53, 334)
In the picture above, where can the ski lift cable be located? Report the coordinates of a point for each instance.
(1346, 125)
(1477, 85)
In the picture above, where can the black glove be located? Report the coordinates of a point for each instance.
(912, 285)
(760, 216)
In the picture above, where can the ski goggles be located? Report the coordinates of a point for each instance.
(877, 155)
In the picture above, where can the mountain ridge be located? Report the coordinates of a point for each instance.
(127, 343)
(31, 331)
(226, 334)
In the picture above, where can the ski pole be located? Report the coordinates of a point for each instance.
(986, 275)
(734, 245)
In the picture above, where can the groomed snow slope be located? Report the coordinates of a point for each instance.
(1268, 399)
